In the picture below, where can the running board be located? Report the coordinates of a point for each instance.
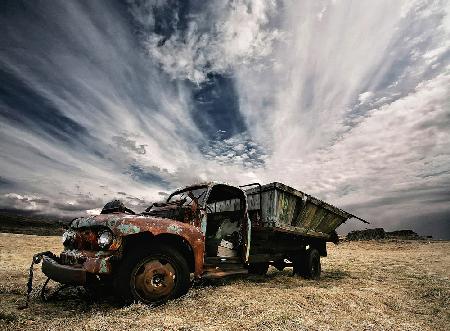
(219, 273)
(216, 260)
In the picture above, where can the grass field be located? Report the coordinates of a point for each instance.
(365, 286)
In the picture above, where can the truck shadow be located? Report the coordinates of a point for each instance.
(279, 279)
(83, 299)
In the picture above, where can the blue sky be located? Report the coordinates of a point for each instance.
(349, 101)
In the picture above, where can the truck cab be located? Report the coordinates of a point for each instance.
(200, 231)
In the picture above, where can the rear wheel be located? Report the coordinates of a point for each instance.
(258, 268)
(153, 276)
(299, 264)
(313, 267)
(307, 264)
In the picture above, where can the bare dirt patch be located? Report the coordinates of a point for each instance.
(388, 285)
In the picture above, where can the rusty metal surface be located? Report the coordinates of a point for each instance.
(201, 184)
(65, 274)
(155, 280)
(286, 209)
(123, 225)
(95, 262)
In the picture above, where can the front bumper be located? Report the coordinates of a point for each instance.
(64, 274)
(75, 273)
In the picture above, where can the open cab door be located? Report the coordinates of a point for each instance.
(227, 232)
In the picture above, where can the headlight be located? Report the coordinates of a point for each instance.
(68, 237)
(105, 239)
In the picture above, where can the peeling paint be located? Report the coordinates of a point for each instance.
(173, 228)
(103, 267)
(287, 209)
(125, 228)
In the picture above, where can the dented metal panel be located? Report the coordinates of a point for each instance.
(285, 208)
(123, 225)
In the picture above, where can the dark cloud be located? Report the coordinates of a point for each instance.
(5, 183)
(23, 202)
(434, 223)
(416, 195)
(40, 201)
(81, 204)
(149, 175)
(24, 107)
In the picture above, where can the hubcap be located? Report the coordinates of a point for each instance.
(154, 280)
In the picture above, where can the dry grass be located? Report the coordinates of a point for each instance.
(365, 286)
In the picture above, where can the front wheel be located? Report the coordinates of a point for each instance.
(152, 276)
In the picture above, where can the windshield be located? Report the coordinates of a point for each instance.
(198, 193)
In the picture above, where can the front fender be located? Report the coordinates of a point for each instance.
(124, 225)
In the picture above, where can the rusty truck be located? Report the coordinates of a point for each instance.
(207, 230)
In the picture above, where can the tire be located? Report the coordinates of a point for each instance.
(258, 268)
(279, 264)
(313, 267)
(152, 276)
(299, 264)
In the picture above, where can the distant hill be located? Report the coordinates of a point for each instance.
(26, 222)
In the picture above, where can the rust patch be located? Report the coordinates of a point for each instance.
(174, 228)
(122, 225)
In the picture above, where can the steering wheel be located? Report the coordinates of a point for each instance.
(192, 196)
(198, 198)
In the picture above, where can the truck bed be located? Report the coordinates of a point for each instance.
(278, 207)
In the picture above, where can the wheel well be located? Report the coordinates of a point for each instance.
(146, 239)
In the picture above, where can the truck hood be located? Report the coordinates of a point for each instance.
(124, 224)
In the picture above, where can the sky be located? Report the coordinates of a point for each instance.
(346, 100)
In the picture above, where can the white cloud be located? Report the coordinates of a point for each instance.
(238, 150)
(346, 100)
(217, 39)
(95, 211)
(23, 201)
(365, 97)
(352, 111)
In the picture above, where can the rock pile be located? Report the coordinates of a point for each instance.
(379, 233)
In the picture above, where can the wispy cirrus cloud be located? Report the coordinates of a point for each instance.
(193, 39)
(353, 109)
(345, 100)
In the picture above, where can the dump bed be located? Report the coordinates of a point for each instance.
(284, 208)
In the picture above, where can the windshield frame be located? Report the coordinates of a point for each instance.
(192, 188)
